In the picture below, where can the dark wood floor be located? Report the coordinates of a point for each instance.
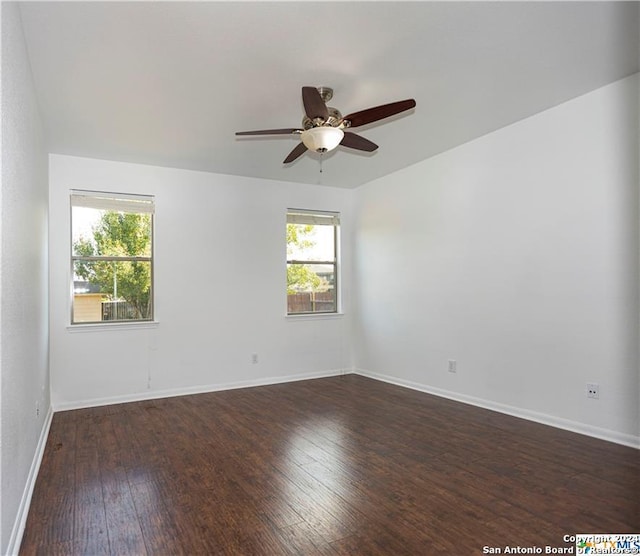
(343, 465)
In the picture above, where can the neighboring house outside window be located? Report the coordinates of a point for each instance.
(111, 257)
(312, 262)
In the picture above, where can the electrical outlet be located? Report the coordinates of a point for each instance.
(254, 358)
(453, 366)
(593, 390)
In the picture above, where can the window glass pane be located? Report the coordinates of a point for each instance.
(311, 288)
(306, 242)
(312, 261)
(109, 233)
(111, 290)
(111, 257)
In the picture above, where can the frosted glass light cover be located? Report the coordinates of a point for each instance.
(322, 139)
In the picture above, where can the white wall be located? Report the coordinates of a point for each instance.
(516, 255)
(23, 283)
(220, 281)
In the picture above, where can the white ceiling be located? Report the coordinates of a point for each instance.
(168, 83)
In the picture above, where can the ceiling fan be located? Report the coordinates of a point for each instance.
(323, 127)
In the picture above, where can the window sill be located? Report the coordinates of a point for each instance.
(99, 327)
(315, 316)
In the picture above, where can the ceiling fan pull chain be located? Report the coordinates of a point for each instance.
(321, 162)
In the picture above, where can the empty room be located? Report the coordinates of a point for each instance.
(301, 277)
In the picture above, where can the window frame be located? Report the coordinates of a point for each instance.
(109, 200)
(310, 216)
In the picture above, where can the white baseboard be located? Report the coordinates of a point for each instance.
(565, 424)
(21, 518)
(173, 392)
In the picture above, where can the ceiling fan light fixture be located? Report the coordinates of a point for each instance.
(322, 139)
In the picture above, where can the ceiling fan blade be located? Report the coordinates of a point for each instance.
(287, 131)
(354, 141)
(314, 106)
(300, 149)
(379, 112)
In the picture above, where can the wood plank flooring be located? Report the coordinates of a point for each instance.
(343, 465)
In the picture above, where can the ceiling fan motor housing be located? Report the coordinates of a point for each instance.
(334, 119)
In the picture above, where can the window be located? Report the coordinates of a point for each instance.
(111, 257)
(312, 262)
